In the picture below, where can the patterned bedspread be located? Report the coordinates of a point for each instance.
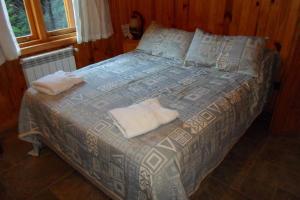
(168, 163)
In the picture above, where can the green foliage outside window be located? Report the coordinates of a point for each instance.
(54, 14)
(18, 17)
(53, 10)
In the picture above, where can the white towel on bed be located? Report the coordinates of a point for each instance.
(141, 118)
(56, 83)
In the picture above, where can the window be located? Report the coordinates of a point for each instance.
(36, 22)
(18, 17)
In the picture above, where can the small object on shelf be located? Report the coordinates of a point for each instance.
(136, 25)
(129, 45)
(125, 31)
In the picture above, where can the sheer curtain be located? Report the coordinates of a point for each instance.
(92, 19)
(9, 47)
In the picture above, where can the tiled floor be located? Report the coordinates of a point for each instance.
(260, 166)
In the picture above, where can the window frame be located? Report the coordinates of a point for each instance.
(39, 33)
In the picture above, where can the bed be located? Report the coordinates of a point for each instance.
(170, 162)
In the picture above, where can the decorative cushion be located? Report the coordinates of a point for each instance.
(241, 54)
(204, 49)
(165, 42)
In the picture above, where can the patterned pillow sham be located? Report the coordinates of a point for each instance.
(241, 54)
(165, 42)
(204, 50)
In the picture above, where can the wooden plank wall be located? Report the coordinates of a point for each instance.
(286, 115)
(276, 19)
(12, 87)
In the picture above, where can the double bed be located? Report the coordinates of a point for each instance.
(215, 109)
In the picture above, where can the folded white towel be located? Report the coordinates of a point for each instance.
(141, 118)
(56, 83)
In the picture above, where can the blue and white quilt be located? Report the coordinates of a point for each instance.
(167, 163)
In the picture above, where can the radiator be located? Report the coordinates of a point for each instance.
(35, 67)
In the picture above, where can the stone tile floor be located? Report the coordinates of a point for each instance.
(260, 166)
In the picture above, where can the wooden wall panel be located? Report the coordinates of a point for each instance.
(164, 12)
(216, 16)
(181, 13)
(209, 15)
(6, 105)
(12, 87)
(244, 17)
(286, 118)
(83, 54)
(276, 19)
(145, 7)
(120, 14)
(16, 82)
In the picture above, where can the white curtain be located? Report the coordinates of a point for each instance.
(92, 19)
(9, 47)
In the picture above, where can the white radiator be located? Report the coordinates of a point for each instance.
(35, 67)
